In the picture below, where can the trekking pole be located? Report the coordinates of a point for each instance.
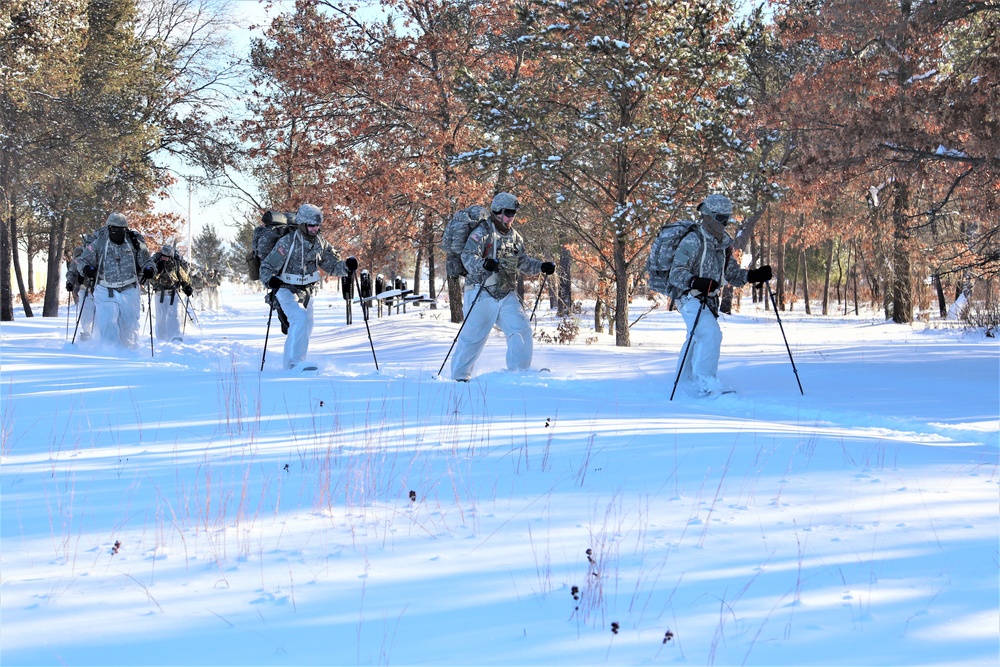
(538, 298)
(189, 315)
(79, 314)
(464, 320)
(364, 314)
(184, 324)
(774, 302)
(687, 346)
(263, 356)
(69, 305)
(149, 307)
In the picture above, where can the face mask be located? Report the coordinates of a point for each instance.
(116, 235)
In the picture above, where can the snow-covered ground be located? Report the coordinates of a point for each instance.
(188, 509)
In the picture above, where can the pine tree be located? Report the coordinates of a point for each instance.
(208, 251)
(618, 127)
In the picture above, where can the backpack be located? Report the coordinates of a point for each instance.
(265, 236)
(456, 234)
(661, 255)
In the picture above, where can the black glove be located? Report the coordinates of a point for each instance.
(351, 263)
(703, 285)
(761, 275)
(548, 268)
(274, 282)
(148, 273)
(69, 285)
(90, 271)
(187, 290)
(491, 265)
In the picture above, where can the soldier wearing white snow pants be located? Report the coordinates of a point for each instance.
(493, 257)
(703, 263)
(291, 270)
(171, 284)
(116, 259)
(80, 288)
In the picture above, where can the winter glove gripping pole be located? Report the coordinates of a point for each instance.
(760, 275)
(687, 345)
(703, 285)
(364, 311)
(774, 302)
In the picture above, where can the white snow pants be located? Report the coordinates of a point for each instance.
(211, 298)
(168, 315)
(508, 314)
(86, 315)
(300, 327)
(701, 367)
(117, 314)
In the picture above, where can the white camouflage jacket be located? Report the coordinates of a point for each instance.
(296, 261)
(507, 249)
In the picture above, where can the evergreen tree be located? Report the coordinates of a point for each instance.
(620, 125)
(208, 251)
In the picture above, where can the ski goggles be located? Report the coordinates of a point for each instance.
(507, 212)
(721, 218)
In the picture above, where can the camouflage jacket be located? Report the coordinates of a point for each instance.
(296, 260)
(118, 265)
(507, 249)
(701, 254)
(174, 274)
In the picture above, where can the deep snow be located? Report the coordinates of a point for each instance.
(573, 517)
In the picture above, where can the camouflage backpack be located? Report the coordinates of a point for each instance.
(661, 255)
(275, 225)
(456, 234)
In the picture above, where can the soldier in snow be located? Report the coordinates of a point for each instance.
(213, 280)
(703, 264)
(172, 278)
(81, 288)
(291, 271)
(494, 256)
(116, 259)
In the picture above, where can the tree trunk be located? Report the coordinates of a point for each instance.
(826, 278)
(795, 281)
(621, 296)
(598, 324)
(902, 283)
(6, 212)
(780, 286)
(16, 263)
(416, 268)
(854, 279)
(57, 247)
(455, 299)
(942, 304)
(431, 277)
(805, 282)
(565, 276)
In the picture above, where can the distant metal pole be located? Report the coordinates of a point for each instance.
(775, 304)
